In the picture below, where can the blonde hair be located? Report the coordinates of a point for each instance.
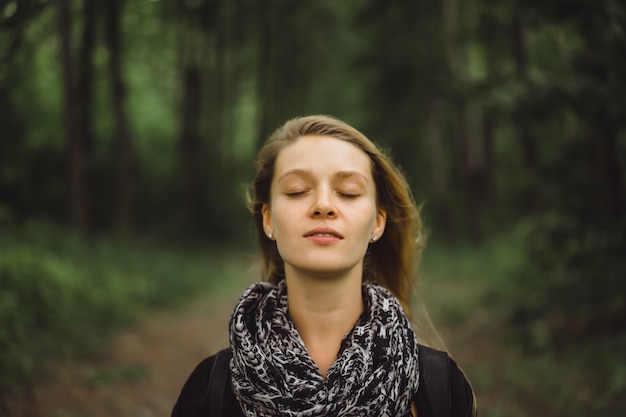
(392, 261)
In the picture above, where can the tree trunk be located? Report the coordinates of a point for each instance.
(439, 169)
(218, 102)
(490, 207)
(450, 27)
(607, 173)
(77, 152)
(473, 167)
(85, 97)
(190, 144)
(528, 142)
(126, 158)
(264, 72)
(466, 127)
(489, 185)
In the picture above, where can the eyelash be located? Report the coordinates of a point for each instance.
(349, 196)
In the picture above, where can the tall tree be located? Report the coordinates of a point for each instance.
(465, 117)
(439, 169)
(189, 145)
(487, 34)
(264, 82)
(530, 153)
(84, 99)
(127, 170)
(192, 55)
(73, 118)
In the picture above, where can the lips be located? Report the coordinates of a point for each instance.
(324, 232)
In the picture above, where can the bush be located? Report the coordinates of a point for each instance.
(42, 303)
(572, 281)
(62, 296)
(565, 308)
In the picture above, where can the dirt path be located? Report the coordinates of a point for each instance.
(143, 371)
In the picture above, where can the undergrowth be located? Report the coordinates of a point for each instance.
(473, 292)
(62, 297)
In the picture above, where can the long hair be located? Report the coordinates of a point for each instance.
(391, 261)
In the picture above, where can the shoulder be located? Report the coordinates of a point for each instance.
(463, 401)
(202, 389)
(444, 389)
(190, 400)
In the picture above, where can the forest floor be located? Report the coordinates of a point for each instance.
(143, 370)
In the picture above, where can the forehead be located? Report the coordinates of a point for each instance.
(322, 155)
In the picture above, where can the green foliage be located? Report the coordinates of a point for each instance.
(455, 278)
(447, 88)
(587, 379)
(564, 310)
(569, 341)
(574, 272)
(62, 296)
(498, 112)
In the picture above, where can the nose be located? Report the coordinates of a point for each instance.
(323, 206)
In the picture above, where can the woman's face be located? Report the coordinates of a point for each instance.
(322, 209)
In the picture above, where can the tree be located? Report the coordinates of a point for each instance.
(193, 51)
(74, 120)
(127, 169)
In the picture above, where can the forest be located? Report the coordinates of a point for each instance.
(128, 131)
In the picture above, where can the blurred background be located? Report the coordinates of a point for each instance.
(128, 129)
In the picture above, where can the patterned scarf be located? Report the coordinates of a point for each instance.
(375, 373)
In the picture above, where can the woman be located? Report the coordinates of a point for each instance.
(328, 333)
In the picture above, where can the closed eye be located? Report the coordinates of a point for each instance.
(295, 193)
(349, 195)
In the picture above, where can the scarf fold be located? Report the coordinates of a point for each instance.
(375, 374)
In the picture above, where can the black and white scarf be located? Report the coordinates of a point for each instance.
(375, 373)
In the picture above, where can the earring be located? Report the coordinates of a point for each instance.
(373, 238)
(270, 235)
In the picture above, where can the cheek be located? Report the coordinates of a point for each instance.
(280, 217)
(372, 214)
(275, 224)
(367, 222)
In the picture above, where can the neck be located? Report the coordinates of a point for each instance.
(323, 311)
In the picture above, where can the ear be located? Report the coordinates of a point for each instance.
(267, 219)
(381, 221)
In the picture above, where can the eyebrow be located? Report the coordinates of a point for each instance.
(306, 173)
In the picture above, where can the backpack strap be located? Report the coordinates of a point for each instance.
(218, 381)
(435, 380)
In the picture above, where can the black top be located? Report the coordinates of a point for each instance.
(441, 382)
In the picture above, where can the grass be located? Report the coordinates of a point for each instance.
(63, 297)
